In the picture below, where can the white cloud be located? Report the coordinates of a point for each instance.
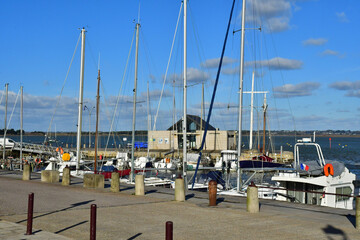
(329, 52)
(194, 76)
(342, 17)
(278, 63)
(275, 13)
(315, 42)
(231, 71)
(352, 88)
(298, 90)
(346, 85)
(214, 62)
(155, 95)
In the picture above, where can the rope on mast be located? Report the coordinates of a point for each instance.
(62, 89)
(213, 95)
(167, 67)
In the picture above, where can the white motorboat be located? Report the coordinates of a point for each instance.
(320, 182)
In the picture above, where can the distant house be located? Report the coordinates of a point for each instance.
(172, 138)
(194, 123)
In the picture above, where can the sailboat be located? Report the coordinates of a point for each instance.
(71, 160)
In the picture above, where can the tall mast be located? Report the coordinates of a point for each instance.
(148, 116)
(252, 112)
(241, 93)
(185, 96)
(264, 129)
(5, 127)
(21, 126)
(173, 122)
(134, 103)
(81, 90)
(97, 119)
(202, 104)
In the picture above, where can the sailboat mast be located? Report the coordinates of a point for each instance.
(5, 127)
(201, 114)
(264, 129)
(252, 113)
(185, 96)
(97, 119)
(148, 114)
(81, 90)
(21, 126)
(241, 93)
(134, 103)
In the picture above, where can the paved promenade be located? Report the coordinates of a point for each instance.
(63, 213)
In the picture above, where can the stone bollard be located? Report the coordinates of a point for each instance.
(93, 180)
(139, 185)
(115, 182)
(252, 199)
(179, 190)
(357, 213)
(50, 176)
(212, 192)
(26, 172)
(66, 177)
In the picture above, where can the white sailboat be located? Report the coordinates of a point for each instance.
(69, 159)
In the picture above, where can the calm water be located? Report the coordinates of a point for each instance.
(343, 149)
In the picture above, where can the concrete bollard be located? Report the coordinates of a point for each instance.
(115, 182)
(252, 199)
(66, 177)
(50, 176)
(212, 192)
(139, 185)
(99, 181)
(26, 172)
(179, 190)
(93, 181)
(357, 213)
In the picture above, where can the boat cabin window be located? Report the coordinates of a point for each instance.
(343, 190)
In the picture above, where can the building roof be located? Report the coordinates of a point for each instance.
(191, 119)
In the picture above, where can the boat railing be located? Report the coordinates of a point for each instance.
(318, 150)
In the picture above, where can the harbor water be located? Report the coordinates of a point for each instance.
(343, 149)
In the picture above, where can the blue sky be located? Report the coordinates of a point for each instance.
(307, 56)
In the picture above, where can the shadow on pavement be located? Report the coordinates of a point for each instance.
(220, 200)
(127, 188)
(135, 236)
(330, 230)
(351, 219)
(189, 196)
(72, 226)
(151, 191)
(64, 209)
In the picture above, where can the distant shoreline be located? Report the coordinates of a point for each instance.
(144, 133)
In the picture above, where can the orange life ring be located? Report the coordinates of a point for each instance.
(38, 160)
(329, 170)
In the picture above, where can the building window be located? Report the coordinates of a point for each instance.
(192, 127)
(345, 191)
